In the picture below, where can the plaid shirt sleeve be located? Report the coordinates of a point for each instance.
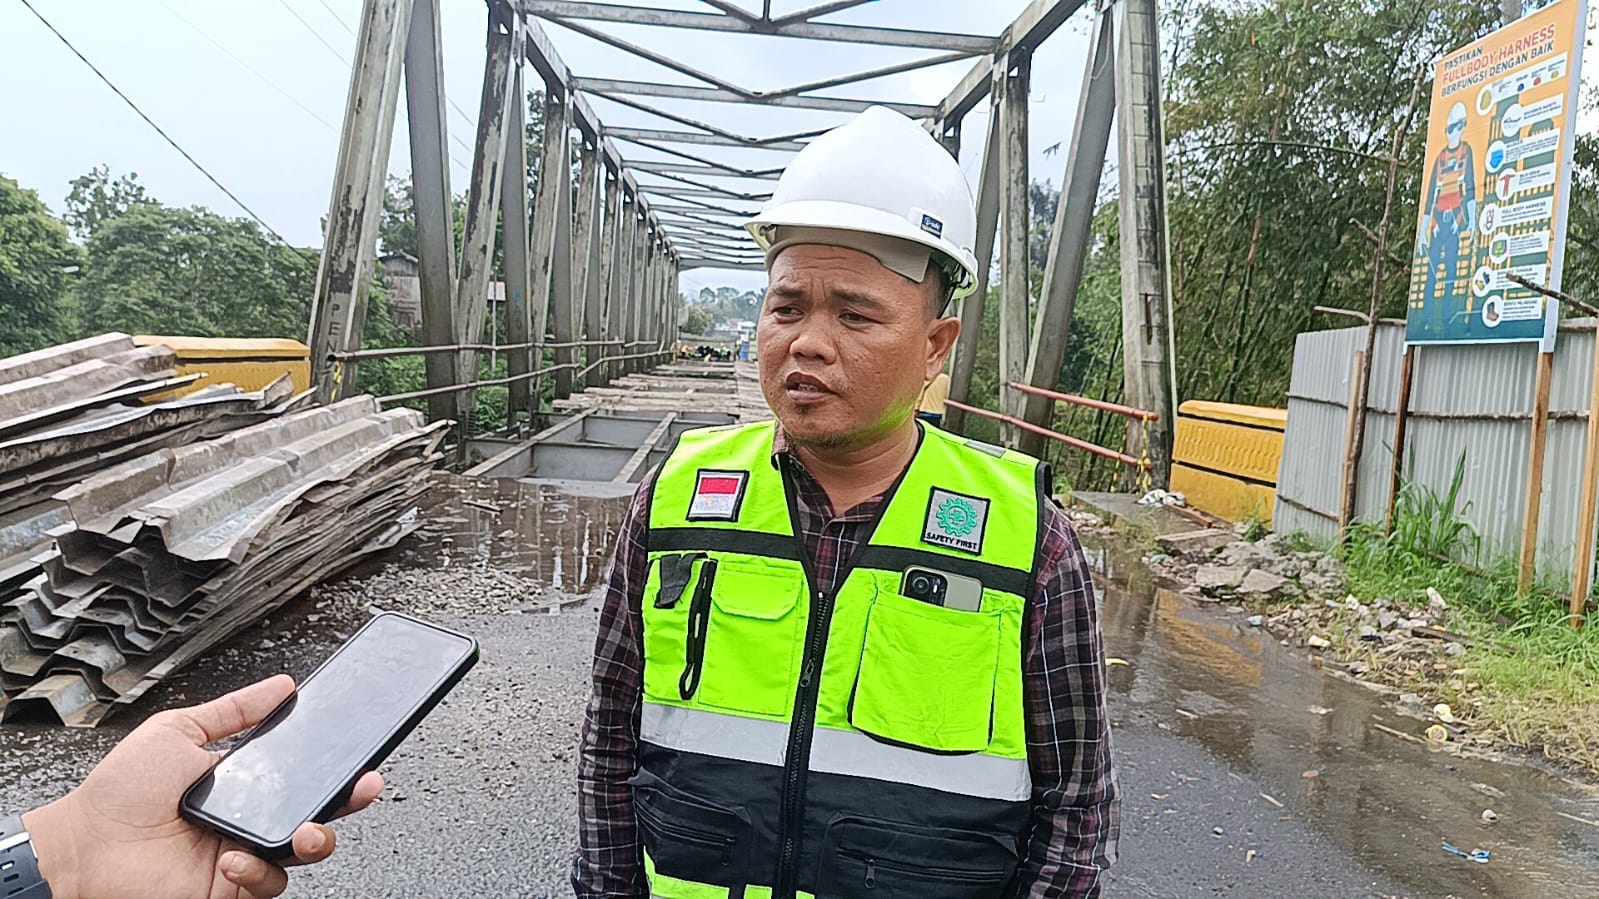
(1076, 809)
(610, 862)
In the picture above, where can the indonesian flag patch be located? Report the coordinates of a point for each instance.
(717, 495)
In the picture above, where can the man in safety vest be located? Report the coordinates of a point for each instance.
(843, 654)
(1450, 212)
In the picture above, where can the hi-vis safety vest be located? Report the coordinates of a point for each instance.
(795, 742)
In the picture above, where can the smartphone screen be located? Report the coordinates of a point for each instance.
(351, 710)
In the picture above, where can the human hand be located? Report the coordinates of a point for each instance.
(119, 834)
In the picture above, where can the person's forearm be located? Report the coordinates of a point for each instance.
(51, 829)
(1066, 855)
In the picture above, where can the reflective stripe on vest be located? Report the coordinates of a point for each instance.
(916, 761)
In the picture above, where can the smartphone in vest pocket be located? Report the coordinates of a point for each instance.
(941, 588)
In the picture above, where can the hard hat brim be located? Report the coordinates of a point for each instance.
(841, 216)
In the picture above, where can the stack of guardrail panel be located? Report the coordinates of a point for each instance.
(154, 558)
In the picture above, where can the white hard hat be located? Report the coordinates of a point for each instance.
(1457, 114)
(881, 174)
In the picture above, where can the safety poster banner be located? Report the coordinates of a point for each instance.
(1495, 182)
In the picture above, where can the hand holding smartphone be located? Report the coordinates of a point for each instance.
(300, 763)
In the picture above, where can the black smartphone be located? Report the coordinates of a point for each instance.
(301, 763)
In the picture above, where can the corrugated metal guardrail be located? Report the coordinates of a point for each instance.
(1225, 458)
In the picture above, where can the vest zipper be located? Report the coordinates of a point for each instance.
(800, 735)
(797, 761)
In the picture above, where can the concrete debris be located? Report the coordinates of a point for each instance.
(1261, 584)
(1435, 601)
(158, 558)
(1216, 579)
(1316, 642)
(1195, 543)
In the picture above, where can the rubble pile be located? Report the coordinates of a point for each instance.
(1401, 647)
(163, 543)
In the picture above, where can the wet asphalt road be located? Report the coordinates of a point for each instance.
(1216, 729)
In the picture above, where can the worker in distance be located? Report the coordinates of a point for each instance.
(844, 653)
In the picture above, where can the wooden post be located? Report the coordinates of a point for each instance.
(1380, 259)
(1582, 575)
(1346, 511)
(1401, 419)
(1540, 436)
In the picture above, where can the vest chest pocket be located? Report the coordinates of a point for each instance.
(723, 632)
(926, 677)
(755, 626)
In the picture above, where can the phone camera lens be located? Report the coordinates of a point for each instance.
(921, 585)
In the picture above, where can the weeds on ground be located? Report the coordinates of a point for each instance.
(1255, 527)
(1536, 677)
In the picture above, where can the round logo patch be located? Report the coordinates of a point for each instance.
(957, 517)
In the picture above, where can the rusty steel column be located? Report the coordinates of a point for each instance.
(546, 220)
(430, 192)
(482, 208)
(1016, 220)
(344, 276)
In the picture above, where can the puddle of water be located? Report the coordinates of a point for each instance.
(556, 533)
(1388, 802)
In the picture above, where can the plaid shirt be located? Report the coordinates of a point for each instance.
(1076, 811)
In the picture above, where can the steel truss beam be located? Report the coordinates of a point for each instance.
(609, 87)
(717, 189)
(650, 136)
(854, 34)
(712, 171)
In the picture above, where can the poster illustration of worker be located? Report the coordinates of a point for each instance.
(1493, 203)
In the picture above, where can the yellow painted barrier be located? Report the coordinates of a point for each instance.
(250, 363)
(1225, 458)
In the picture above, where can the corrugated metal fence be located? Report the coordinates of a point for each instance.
(1475, 400)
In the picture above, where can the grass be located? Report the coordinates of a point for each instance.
(1528, 677)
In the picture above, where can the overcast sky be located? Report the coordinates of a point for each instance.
(255, 92)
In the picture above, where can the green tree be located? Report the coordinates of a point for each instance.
(96, 197)
(1280, 115)
(696, 320)
(34, 250)
(159, 270)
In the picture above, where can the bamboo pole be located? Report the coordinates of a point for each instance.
(1346, 511)
(1582, 577)
(1359, 402)
(1401, 419)
(1540, 437)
